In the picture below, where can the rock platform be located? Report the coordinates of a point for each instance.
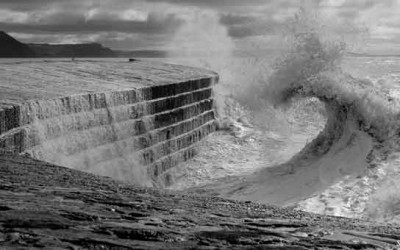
(43, 206)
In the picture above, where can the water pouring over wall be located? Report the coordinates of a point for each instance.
(133, 135)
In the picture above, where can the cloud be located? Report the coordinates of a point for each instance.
(124, 15)
(379, 18)
(216, 4)
(126, 22)
(9, 16)
(77, 24)
(232, 19)
(75, 20)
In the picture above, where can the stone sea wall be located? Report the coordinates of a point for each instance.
(134, 135)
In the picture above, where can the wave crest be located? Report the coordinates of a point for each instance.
(362, 127)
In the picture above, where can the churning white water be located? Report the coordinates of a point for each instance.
(310, 127)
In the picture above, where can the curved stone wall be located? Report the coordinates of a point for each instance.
(134, 132)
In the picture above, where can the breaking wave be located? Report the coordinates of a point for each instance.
(362, 129)
(360, 114)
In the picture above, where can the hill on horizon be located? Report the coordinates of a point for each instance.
(10, 47)
(71, 50)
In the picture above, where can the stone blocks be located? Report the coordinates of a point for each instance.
(153, 128)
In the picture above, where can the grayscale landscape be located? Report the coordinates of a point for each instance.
(226, 124)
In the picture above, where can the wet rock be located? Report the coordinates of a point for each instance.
(46, 206)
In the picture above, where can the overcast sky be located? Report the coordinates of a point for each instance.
(159, 24)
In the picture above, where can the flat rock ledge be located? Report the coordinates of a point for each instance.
(43, 206)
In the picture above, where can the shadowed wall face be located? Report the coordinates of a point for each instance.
(134, 135)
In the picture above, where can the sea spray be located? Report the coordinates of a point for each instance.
(242, 80)
(308, 83)
(203, 41)
(360, 134)
(358, 107)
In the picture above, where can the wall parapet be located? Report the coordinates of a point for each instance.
(131, 134)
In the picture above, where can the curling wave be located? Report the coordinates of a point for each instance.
(362, 128)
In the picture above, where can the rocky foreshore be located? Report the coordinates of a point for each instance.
(50, 207)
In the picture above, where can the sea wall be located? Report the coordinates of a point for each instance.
(135, 135)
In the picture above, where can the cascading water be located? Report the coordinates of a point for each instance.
(129, 121)
(96, 140)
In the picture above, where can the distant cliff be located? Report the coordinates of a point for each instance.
(71, 50)
(10, 47)
(142, 53)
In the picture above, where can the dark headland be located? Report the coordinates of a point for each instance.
(45, 206)
(12, 48)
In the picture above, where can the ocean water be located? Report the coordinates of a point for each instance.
(320, 134)
(313, 129)
(304, 125)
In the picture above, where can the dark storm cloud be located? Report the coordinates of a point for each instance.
(68, 23)
(365, 4)
(32, 5)
(77, 16)
(23, 4)
(154, 22)
(240, 26)
(117, 23)
(253, 29)
(241, 31)
(232, 19)
(214, 3)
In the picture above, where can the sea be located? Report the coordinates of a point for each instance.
(312, 129)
